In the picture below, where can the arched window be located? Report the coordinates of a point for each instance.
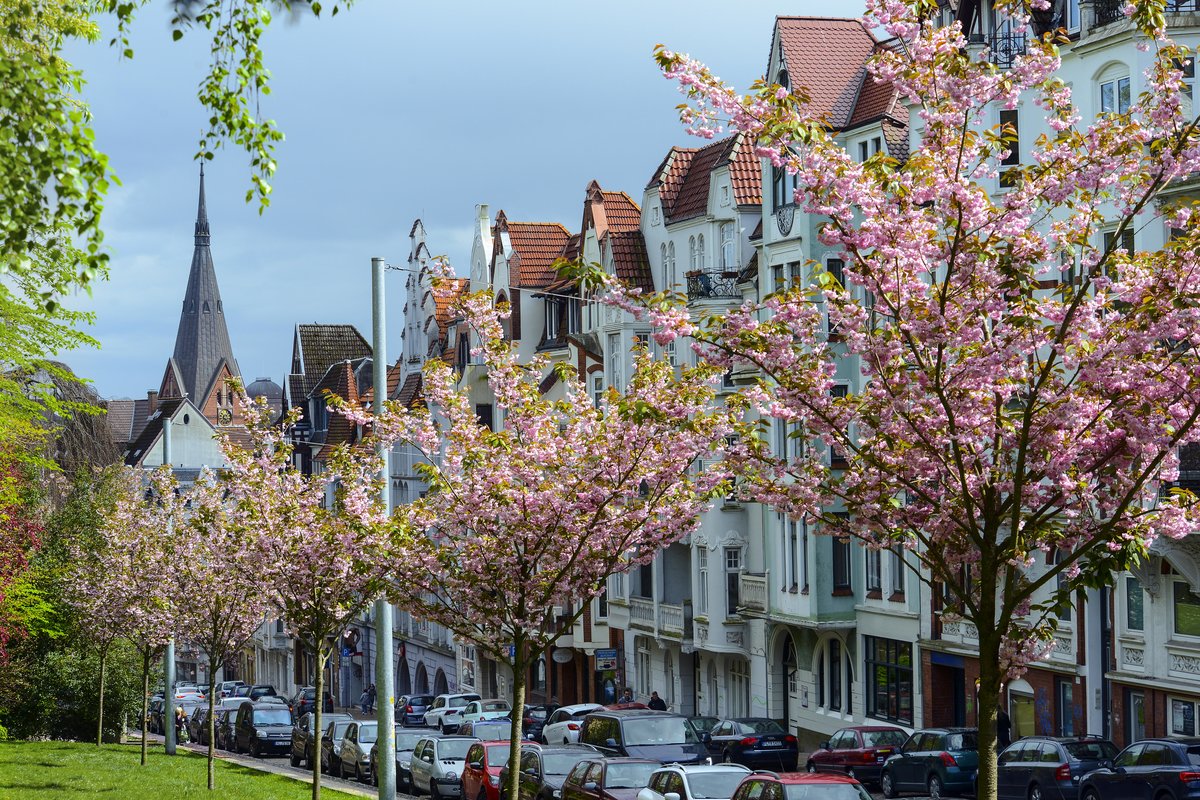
(692, 253)
(672, 279)
(700, 251)
(539, 683)
(728, 247)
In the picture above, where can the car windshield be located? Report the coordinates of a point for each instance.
(883, 738)
(1091, 751)
(339, 729)
(629, 776)
(1193, 754)
(826, 791)
(714, 785)
(454, 749)
(420, 700)
(561, 763)
(497, 755)
(272, 716)
(496, 705)
(492, 730)
(704, 723)
(762, 726)
(659, 730)
(457, 702)
(962, 741)
(366, 733)
(407, 741)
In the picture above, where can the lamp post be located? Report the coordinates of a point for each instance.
(385, 711)
(169, 653)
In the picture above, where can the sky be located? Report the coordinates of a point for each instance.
(393, 111)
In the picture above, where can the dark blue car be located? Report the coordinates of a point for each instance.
(1050, 768)
(1152, 769)
(752, 742)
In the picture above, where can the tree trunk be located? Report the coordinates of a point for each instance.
(145, 700)
(520, 665)
(990, 680)
(314, 759)
(100, 721)
(212, 729)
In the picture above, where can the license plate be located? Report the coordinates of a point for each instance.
(772, 744)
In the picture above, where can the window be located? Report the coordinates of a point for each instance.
(728, 248)
(1066, 707)
(1063, 610)
(598, 388)
(897, 567)
(869, 148)
(836, 269)
(1126, 243)
(1114, 95)
(602, 604)
(700, 262)
(739, 688)
(693, 264)
(1135, 715)
(783, 187)
(483, 413)
(733, 569)
(574, 317)
(792, 561)
(551, 320)
(1135, 619)
(841, 558)
(643, 669)
(837, 456)
(835, 675)
(1183, 718)
(669, 264)
(1187, 610)
(888, 679)
(615, 357)
(702, 582)
(804, 556)
(1011, 130)
(874, 571)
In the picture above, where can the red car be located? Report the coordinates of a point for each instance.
(800, 786)
(858, 751)
(481, 773)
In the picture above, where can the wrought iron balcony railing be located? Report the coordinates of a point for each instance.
(706, 285)
(1005, 47)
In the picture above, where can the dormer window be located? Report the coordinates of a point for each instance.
(552, 328)
(206, 309)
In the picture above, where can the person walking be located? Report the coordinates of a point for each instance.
(371, 699)
(627, 696)
(364, 699)
(657, 703)
(1003, 729)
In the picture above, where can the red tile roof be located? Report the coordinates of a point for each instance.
(825, 55)
(444, 299)
(623, 214)
(684, 177)
(875, 99)
(538, 245)
(571, 249)
(630, 259)
(410, 393)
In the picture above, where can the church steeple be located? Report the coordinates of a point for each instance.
(203, 353)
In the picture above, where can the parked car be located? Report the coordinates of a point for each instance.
(485, 709)
(226, 688)
(224, 737)
(487, 729)
(305, 700)
(1045, 768)
(262, 728)
(302, 736)
(940, 761)
(411, 708)
(562, 726)
(753, 742)
(704, 724)
(446, 711)
(331, 741)
(437, 765)
(695, 782)
(1163, 769)
(154, 714)
(406, 742)
(533, 719)
(858, 751)
(608, 778)
(198, 725)
(355, 756)
(657, 735)
(800, 786)
(544, 768)
(481, 775)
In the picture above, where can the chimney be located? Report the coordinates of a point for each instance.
(152, 401)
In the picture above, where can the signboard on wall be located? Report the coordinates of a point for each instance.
(606, 660)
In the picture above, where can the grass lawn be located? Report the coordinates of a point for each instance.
(36, 770)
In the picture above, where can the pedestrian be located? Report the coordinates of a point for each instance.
(1003, 729)
(181, 734)
(627, 695)
(657, 703)
(371, 698)
(364, 699)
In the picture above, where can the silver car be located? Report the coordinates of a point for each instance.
(437, 765)
(355, 756)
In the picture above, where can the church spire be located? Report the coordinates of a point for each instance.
(202, 237)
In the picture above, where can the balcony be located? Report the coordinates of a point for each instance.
(1109, 11)
(708, 285)
(752, 591)
(641, 613)
(670, 619)
(1006, 47)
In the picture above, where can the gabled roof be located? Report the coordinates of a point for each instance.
(316, 347)
(622, 212)
(202, 339)
(536, 246)
(630, 260)
(153, 429)
(825, 55)
(126, 418)
(685, 175)
(410, 391)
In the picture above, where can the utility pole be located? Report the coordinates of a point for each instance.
(169, 653)
(385, 690)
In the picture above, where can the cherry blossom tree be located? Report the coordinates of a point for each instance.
(1025, 382)
(321, 567)
(20, 536)
(136, 547)
(534, 517)
(216, 575)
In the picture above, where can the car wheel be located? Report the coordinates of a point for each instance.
(254, 749)
(441, 727)
(1090, 794)
(434, 792)
(358, 772)
(935, 787)
(886, 785)
(1035, 792)
(810, 767)
(336, 768)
